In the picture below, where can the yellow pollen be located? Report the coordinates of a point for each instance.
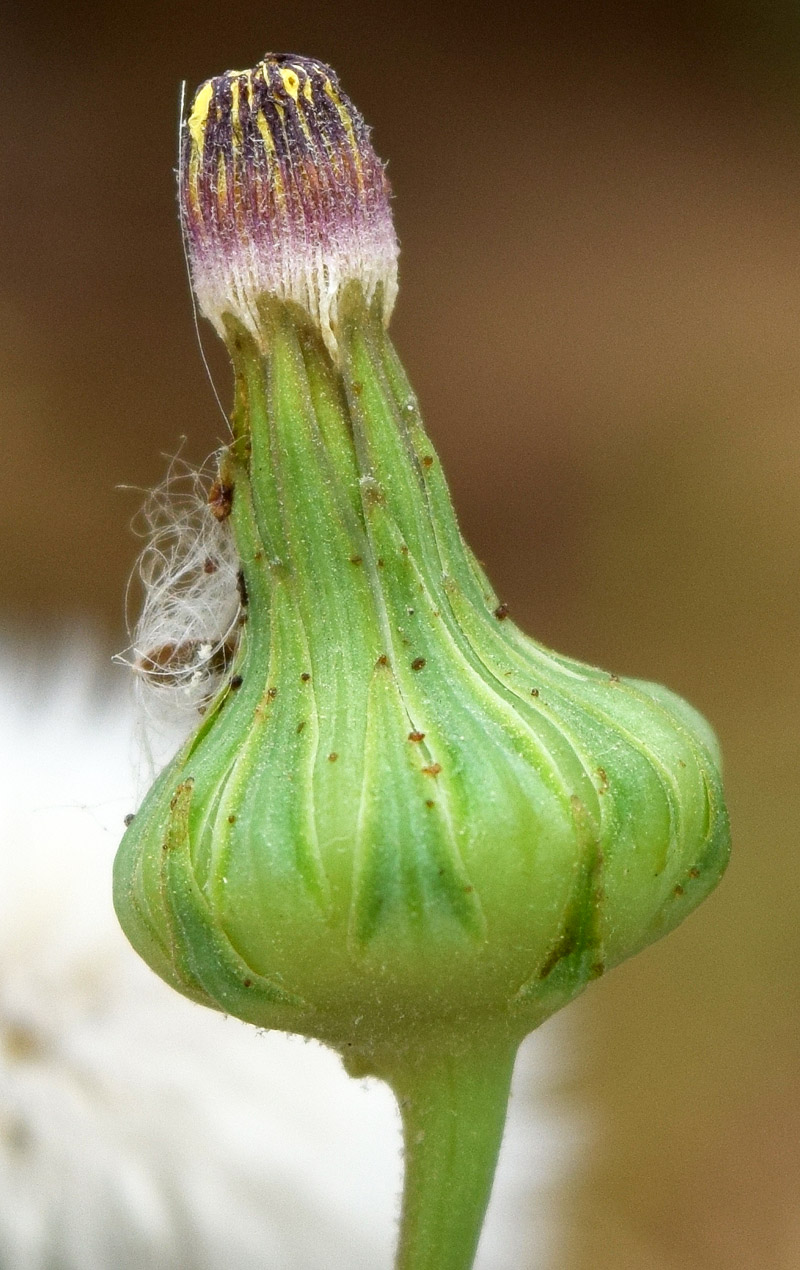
(222, 182)
(199, 116)
(290, 82)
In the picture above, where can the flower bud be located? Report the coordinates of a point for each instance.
(402, 826)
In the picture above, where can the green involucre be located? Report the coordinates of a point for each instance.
(403, 827)
(401, 813)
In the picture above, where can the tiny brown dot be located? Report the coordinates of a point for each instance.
(358, 387)
(418, 663)
(429, 802)
(613, 679)
(383, 660)
(534, 692)
(679, 889)
(468, 889)
(332, 757)
(301, 725)
(416, 736)
(248, 983)
(129, 819)
(381, 562)
(355, 559)
(432, 769)
(237, 681)
(694, 873)
(427, 460)
(305, 676)
(272, 693)
(232, 819)
(501, 612)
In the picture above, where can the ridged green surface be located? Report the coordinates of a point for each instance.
(404, 827)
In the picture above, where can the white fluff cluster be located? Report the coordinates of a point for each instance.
(187, 581)
(140, 1130)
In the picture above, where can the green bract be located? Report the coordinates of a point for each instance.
(402, 827)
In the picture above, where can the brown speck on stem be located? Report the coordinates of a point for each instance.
(416, 736)
(220, 500)
(429, 802)
(383, 660)
(694, 872)
(613, 679)
(129, 819)
(332, 757)
(534, 692)
(432, 769)
(418, 663)
(358, 387)
(373, 492)
(247, 983)
(427, 460)
(305, 677)
(381, 562)
(678, 889)
(603, 776)
(272, 693)
(236, 681)
(241, 587)
(501, 612)
(356, 560)
(232, 819)
(301, 725)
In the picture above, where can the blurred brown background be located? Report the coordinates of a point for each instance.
(600, 310)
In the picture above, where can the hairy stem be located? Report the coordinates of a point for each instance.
(453, 1105)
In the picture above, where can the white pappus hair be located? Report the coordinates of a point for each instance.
(184, 639)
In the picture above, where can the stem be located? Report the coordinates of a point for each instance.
(453, 1106)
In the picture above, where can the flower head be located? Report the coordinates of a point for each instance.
(283, 195)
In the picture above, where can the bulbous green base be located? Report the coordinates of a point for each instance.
(401, 821)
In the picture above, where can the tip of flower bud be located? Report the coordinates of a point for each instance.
(283, 195)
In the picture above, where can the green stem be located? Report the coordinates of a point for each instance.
(453, 1106)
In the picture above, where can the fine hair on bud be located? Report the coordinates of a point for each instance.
(185, 636)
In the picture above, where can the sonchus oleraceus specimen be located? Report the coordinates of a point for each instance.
(402, 826)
